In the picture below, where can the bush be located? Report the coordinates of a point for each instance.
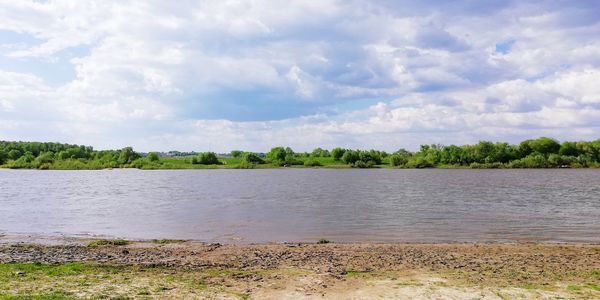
(153, 156)
(398, 160)
(291, 160)
(237, 153)
(419, 162)
(252, 158)
(535, 160)
(206, 158)
(14, 154)
(3, 157)
(312, 163)
(361, 164)
(44, 158)
(337, 153)
(277, 156)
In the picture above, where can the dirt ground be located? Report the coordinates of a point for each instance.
(177, 269)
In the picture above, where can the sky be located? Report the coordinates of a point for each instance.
(251, 75)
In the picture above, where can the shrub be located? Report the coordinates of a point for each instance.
(362, 164)
(253, 158)
(3, 157)
(291, 160)
(206, 158)
(153, 156)
(312, 163)
(46, 157)
(337, 153)
(419, 162)
(277, 156)
(99, 243)
(398, 160)
(237, 153)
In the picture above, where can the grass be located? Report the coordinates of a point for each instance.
(585, 286)
(100, 281)
(167, 241)
(96, 281)
(118, 242)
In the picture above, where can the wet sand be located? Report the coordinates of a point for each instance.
(360, 271)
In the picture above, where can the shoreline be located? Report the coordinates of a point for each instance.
(299, 270)
(334, 167)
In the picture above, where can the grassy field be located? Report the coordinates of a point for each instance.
(95, 281)
(175, 269)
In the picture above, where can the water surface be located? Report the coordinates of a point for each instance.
(376, 205)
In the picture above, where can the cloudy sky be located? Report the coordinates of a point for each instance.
(222, 75)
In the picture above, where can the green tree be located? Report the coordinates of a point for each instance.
(569, 149)
(319, 152)
(153, 156)
(237, 153)
(3, 157)
(398, 160)
(206, 158)
(14, 154)
(45, 158)
(126, 156)
(277, 155)
(337, 153)
(350, 156)
(251, 158)
(545, 145)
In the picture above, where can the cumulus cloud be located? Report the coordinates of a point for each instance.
(251, 75)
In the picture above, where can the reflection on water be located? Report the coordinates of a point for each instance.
(378, 205)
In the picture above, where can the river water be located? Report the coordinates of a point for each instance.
(276, 205)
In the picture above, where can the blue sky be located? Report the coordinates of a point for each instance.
(219, 75)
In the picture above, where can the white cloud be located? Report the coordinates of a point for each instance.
(235, 74)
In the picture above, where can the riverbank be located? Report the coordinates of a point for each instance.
(179, 269)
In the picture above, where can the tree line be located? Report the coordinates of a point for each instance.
(534, 153)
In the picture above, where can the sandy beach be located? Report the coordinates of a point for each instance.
(184, 269)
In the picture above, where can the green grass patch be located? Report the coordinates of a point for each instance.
(167, 241)
(413, 283)
(353, 273)
(99, 243)
(585, 286)
(43, 296)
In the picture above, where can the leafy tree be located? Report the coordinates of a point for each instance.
(319, 152)
(153, 156)
(127, 155)
(569, 149)
(206, 158)
(237, 153)
(3, 157)
(277, 155)
(337, 153)
(311, 162)
(45, 158)
(251, 158)
(350, 156)
(14, 154)
(545, 145)
(398, 160)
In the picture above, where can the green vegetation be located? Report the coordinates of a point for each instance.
(206, 158)
(97, 281)
(535, 153)
(99, 243)
(167, 241)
